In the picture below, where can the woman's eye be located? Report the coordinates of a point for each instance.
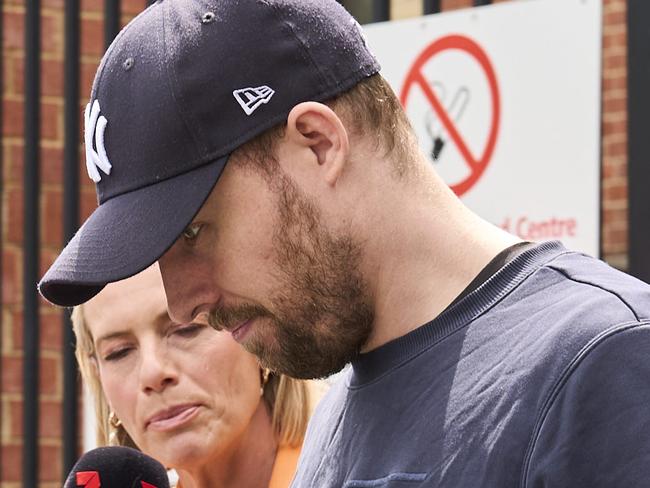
(191, 232)
(117, 354)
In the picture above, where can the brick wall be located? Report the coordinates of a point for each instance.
(51, 150)
(614, 133)
(614, 192)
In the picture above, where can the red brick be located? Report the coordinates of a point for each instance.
(49, 419)
(51, 121)
(617, 39)
(48, 256)
(51, 330)
(613, 217)
(12, 375)
(609, 29)
(614, 170)
(86, 185)
(615, 105)
(9, 79)
(14, 155)
(51, 77)
(92, 37)
(614, 17)
(53, 4)
(614, 240)
(52, 217)
(11, 276)
(11, 460)
(614, 148)
(12, 118)
(614, 205)
(130, 8)
(87, 75)
(88, 203)
(614, 61)
(615, 192)
(50, 464)
(92, 5)
(620, 94)
(455, 4)
(14, 32)
(615, 79)
(13, 212)
(51, 164)
(614, 127)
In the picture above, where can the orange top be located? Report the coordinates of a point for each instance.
(284, 467)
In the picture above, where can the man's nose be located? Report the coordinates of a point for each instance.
(188, 286)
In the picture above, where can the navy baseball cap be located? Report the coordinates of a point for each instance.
(182, 86)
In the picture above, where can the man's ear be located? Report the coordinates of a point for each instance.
(315, 126)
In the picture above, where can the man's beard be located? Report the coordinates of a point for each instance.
(320, 317)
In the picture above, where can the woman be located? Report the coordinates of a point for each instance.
(186, 394)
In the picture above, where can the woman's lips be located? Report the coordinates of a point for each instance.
(172, 418)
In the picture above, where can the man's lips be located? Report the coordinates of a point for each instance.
(241, 330)
(172, 417)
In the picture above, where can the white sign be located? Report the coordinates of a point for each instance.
(505, 100)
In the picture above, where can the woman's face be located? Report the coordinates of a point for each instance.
(185, 392)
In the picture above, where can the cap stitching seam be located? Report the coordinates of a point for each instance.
(109, 51)
(173, 84)
(303, 48)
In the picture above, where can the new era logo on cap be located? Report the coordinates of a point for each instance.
(251, 98)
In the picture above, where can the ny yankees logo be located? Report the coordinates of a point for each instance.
(95, 125)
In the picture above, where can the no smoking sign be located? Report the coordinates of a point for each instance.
(451, 96)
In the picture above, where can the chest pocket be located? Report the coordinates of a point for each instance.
(393, 480)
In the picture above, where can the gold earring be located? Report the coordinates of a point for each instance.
(266, 372)
(114, 421)
(114, 424)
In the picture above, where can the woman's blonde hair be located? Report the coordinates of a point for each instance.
(287, 398)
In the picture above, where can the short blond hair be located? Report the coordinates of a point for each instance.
(287, 398)
(370, 110)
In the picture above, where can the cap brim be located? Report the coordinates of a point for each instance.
(126, 234)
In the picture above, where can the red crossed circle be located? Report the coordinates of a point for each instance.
(415, 78)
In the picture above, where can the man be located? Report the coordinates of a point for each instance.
(477, 359)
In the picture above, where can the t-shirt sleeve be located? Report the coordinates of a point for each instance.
(595, 431)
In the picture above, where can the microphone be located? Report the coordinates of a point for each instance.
(117, 467)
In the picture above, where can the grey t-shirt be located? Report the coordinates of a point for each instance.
(540, 377)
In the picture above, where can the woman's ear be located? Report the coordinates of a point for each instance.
(92, 360)
(315, 126)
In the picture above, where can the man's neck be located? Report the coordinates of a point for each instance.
(422, 257)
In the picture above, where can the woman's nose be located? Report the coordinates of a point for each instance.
(157, 370)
